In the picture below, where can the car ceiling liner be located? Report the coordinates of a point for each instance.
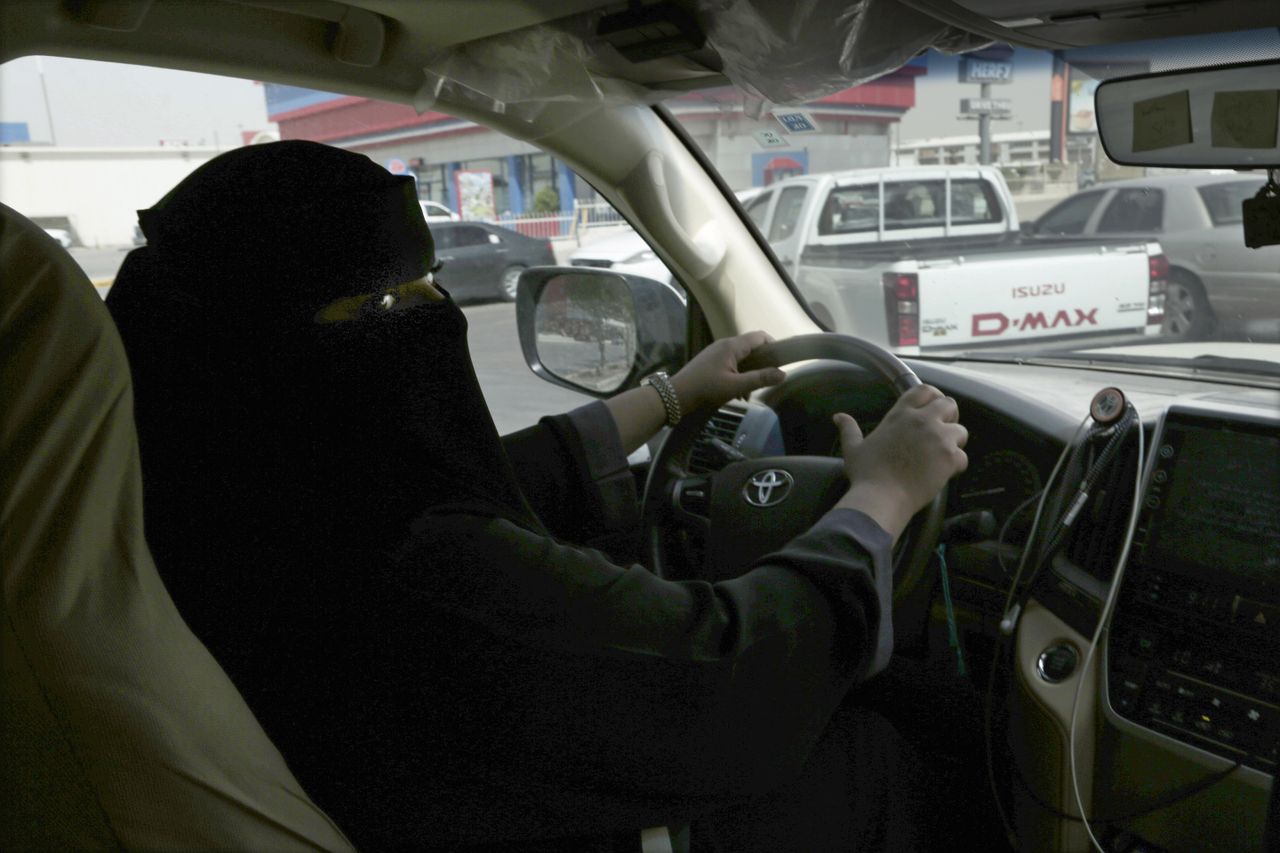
(772, 53)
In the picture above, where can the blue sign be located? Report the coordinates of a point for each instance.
(796, 122)
(14, 131)
(973, 70)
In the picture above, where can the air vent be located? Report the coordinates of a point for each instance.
(724, 426)
(1099, 533)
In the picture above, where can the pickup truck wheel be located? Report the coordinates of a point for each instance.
(1187, 315)
(510, 282)
(755, 505)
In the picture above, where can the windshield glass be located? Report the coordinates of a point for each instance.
(963, 204)
(957, 205)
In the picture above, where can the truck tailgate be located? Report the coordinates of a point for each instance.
(999, 300)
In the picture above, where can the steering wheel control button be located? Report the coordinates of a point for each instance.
(693, 496)
(768, 488)
(1057, 662)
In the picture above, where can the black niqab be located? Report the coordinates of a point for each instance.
(273, 446)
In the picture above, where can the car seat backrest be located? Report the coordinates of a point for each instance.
(117, 728)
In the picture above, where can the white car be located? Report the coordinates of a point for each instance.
(624, 252)
(434, 211)
(62, 235)
(627, 252)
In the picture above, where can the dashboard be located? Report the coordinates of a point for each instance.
(1184, 684)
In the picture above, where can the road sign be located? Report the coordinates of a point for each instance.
(396, 166)
(974, 70)
(770, 139)
(796, 121)
(986, 106)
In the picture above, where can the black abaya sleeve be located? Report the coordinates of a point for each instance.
(555, 692)
(574, 474)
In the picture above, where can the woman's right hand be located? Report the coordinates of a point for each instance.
(906, 460)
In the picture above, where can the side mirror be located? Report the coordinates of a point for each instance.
(596, 331)
(1028, 229)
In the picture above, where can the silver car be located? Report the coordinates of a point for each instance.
(1215, 282)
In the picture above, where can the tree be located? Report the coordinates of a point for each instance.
(546, 200)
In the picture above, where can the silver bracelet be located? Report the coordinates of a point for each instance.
(661, 383)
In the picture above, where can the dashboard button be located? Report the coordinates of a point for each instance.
(1145, 642)
(1057, 663)
(1264, 684)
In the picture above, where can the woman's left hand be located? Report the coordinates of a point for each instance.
(712, 378)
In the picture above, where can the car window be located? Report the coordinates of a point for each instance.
(469, 235)
(129, 150)
(444, 236)
(974, 201)
(1071, 216)
(758, 207)
(1223, 201)
(787, 214)
(1133, 209)
(849, 210)
(914, 204)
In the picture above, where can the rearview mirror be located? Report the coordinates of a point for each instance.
(1224, 117)
(596, 331)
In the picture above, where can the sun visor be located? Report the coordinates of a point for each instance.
(772, 53)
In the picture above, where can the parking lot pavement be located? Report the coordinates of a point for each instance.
(515, 396)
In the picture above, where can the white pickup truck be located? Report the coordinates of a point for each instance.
(926, 258)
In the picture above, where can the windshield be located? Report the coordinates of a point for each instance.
(962, 205)
(959, 205)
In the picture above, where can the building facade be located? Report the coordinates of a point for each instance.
(854, 129)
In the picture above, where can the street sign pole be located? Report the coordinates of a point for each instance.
(984, 129)
(984, 69)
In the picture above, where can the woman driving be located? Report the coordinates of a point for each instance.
(412, 605)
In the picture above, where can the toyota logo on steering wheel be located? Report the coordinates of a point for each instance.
(768, 488)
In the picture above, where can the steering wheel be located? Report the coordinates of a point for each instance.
(754, 506)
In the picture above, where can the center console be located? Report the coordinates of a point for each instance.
(1194, 644)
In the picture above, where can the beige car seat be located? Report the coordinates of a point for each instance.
(117, 728)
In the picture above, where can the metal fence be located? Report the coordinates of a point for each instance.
(583, 217)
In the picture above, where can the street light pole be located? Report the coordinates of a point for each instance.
(53, 137)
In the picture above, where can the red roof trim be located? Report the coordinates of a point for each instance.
(312, 109)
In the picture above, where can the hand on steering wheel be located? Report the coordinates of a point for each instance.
(713, 377)
(714, 510)
(906, 461)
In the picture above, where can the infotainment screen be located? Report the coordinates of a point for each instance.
(1214, 502)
